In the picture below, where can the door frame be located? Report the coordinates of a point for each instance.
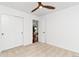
(35, 25)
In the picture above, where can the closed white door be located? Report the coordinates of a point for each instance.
(11, 32)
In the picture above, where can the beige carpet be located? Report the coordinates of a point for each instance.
(38, 50)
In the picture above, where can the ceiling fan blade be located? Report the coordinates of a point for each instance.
(49, 7)
(35, 9)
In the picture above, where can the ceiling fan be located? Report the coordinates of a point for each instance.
(40, 5)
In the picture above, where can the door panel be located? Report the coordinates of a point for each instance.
(43, 31)
(11, 30)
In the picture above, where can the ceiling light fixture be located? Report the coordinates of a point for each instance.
(40, 7)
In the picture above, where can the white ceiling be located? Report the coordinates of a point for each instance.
(28, 6)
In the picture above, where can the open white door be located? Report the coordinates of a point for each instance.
(11, 31)
(42, 31)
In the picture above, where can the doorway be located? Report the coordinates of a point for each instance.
(35, 31)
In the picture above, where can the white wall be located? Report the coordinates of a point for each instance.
(62, 28)
(27, 21)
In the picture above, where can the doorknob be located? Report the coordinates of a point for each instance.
(43, 32)
(21, 32)
(2, 33)
(3, 36)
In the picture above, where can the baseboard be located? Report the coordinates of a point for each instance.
(60, 46)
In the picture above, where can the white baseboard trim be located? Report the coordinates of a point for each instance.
(60, 46)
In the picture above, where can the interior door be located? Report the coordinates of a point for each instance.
(44, 39)
(11, 32)
(42, 31)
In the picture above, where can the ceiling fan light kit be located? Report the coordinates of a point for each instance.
(40, 7)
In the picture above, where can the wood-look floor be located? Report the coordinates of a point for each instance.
(38, 50)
